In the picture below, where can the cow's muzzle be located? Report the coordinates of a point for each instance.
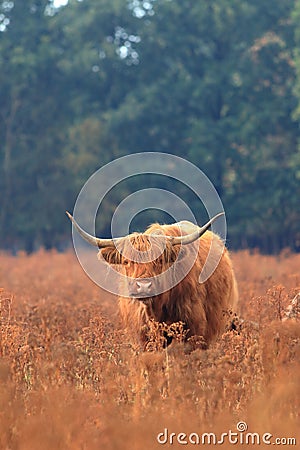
(141, 288)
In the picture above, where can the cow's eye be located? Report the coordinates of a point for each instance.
(125, 262)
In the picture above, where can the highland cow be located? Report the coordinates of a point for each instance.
(161, 282)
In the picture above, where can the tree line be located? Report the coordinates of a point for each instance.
(216, 82)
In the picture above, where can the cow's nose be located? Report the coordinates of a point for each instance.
(143, 287)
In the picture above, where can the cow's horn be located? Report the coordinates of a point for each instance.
(97, 242)
(189, 238)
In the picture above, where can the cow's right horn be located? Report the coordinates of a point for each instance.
(189, 238)
(97, 242)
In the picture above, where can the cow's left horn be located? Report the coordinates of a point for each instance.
(189, 238)
(97, 242)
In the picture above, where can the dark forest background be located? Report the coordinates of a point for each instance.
(213, 81)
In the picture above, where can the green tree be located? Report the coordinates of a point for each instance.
(211, 81)
(215, 85)
(33, 112)
(62, 70)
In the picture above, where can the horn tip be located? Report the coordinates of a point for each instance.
(217, 216)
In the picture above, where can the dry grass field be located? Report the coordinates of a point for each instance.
(69, 378)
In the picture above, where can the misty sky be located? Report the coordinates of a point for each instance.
(58, 3)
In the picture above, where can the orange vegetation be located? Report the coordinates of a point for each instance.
(70, 379)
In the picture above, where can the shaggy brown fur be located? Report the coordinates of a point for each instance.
(200, 306)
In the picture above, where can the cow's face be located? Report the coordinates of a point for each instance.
(144, 261)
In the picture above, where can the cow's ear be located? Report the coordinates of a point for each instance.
(111, 255)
